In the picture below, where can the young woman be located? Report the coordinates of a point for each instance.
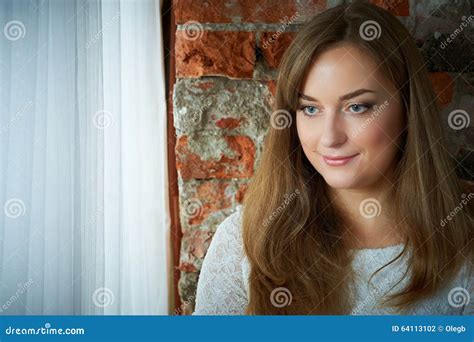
(355, 207)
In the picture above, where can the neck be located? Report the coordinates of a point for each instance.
(367, 215)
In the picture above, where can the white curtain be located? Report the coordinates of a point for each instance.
(84, 225)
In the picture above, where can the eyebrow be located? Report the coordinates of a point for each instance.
(341, 98)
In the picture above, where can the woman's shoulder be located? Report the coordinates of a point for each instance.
(228, 233)
(231, 225)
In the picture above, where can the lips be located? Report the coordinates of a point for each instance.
(338, 160)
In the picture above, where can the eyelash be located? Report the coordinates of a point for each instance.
(368, 105)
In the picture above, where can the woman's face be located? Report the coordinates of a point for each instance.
(346, 109)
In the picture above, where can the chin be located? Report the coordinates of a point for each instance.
(341, 182)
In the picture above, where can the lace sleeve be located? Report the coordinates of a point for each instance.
(221, 289)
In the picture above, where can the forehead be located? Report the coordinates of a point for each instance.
(342, 69)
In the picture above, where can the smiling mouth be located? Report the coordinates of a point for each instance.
(338, 161)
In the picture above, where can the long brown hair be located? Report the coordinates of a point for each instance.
(294, 235)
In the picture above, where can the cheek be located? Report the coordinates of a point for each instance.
(308, 134)
(380, 142)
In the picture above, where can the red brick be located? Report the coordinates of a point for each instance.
(205, 85)
(399, 8)
(272, 87)
(267, 11)
(199, 241)
(187, 267)
(219, 11)
(222, 53)
(191, 166)
(213, 198)
(228, 123)
(209, 11)
(443, 86)
(273, 45)
(239, 196)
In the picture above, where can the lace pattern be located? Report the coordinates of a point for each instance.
(223, 281)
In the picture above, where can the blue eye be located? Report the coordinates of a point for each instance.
(358, 108)
(310, 112)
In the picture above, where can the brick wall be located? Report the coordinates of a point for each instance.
(227, 53)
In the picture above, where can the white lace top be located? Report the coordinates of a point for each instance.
(223, 281)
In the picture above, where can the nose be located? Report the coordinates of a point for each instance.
(333, 130)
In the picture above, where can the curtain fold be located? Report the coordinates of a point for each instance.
(85, 219)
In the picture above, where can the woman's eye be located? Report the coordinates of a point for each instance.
(309, 110)
(358, 108)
